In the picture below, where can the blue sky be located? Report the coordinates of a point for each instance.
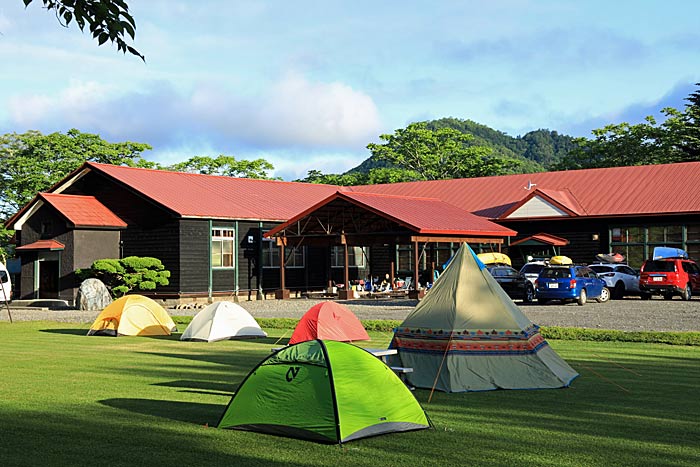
(308, 84)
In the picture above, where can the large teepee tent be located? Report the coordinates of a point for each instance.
(220, 321)
(325, 391)
(468, 335)
(133, 315)
(329, 320)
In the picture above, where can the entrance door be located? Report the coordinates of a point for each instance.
(48, 279)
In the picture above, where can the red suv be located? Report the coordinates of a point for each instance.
(669, 277)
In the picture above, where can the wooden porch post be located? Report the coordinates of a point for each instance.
(415, 265)
(392, 265)
(346, 293)
(415, 293)
(282, 293)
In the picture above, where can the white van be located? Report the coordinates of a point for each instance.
(6, 289)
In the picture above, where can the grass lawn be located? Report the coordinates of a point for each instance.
(69, 399)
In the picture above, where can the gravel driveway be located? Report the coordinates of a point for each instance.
(631, 314)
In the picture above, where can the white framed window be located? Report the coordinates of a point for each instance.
(356, 257)
(294, 257)
(222, 247)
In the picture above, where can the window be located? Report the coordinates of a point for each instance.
(270, 253)
(294, 257)
(356, 257)
(222, 247)
(637, 243)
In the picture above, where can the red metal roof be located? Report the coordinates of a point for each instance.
(42, 245)
(422, 215)
(547, 239)
(616, 191)
(83, 211)
(208, 196)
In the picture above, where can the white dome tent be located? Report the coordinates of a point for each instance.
(221, 321)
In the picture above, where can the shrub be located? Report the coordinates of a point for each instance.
(131, 273)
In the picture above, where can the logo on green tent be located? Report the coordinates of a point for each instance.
(292, 373)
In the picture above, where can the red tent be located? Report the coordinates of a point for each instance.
(329, 321)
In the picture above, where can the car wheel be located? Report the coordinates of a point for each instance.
(529, 296)
(542, 301)
(686, 294)
(645, 296)
(604, 295)
(619, 290)
(582, 298)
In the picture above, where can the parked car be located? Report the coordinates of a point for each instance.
(570, 283)
(515, 284)
(620, 279)
(669, 277)
(532, 269)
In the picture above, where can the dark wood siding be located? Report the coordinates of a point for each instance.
(193, 246)
(89, 246)
(152, 230)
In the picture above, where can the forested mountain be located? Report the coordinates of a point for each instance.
(539, 149)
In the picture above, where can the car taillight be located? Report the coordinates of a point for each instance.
(572, 284)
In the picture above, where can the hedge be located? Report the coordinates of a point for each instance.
(548, 332)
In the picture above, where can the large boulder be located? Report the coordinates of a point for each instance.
(92, 295)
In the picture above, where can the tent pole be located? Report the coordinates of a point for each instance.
(444, 355)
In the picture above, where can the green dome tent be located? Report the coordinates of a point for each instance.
(324, 391)
(468, 335)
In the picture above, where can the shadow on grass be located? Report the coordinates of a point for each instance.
(207, 386)
(233, 358)
(83, 332)
(67, 332)
(88, 439)
(190, 412)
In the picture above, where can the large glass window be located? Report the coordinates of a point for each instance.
(294, 257)
(222, 247)
(443, 252)
(356, 257)
(404, 258)
(270, 253)
(637, 243)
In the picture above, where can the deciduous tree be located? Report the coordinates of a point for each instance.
(675, 139)
(225, 165)
(107, 20)
(439, 154)
(32, 162)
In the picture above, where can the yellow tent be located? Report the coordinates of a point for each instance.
(133, 315)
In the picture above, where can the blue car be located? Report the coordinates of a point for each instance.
(570, 283)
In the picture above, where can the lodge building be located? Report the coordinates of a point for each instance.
(223, 237)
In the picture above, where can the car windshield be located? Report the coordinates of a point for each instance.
(601, 269)
(555, 273)
(659, 266)
(532, 268)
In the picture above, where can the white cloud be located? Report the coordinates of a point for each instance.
(293, 112)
